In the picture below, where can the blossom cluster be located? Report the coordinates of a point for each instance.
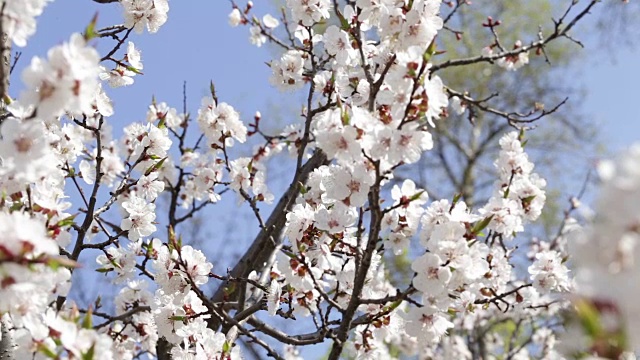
(141, 14)
(45, 132)
(36, 147)
(19, 19)
(66, 81)
(375, 102)
(125, 69)
(27, 258)
(509, 62)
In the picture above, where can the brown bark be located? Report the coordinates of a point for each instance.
(7, 345)
(269, 237)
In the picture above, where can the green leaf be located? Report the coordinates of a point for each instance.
(90, 30)
(344, 23)
(417, 196)
(173, 241)
(290, 255)
(303, 189)
(87, 322)
(161, 124)
(345, 118)
(226, 347)
(589, 318)
(115, 264)
(480, 225)
(155, 166)
(68, 221)
(58, 262)
(90, 354)
(149, 249)
(131, 68)
(428, 54)
(43, 349)
(230, 289)
(521, 135)
(528, 199)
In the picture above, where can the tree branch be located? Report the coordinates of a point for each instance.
(558, 32)
(269, 237)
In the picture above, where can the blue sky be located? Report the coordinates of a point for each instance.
(612, 97)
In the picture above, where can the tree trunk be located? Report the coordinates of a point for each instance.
(6, 342)
(7, 345)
